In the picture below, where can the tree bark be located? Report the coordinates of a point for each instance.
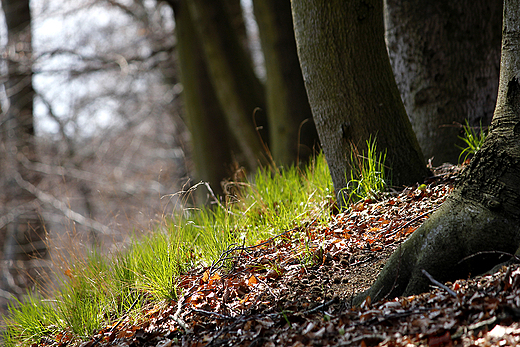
(24, 232)
(446, 60)
(238, 90)
(236, 18)
(481, 215)
(351, 87)
(292, 131)
(213, 143)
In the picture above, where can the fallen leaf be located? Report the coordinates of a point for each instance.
(205, 277)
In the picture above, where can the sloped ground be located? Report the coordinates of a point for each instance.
(295, 290)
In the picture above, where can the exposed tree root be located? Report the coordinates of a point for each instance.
(454, 243)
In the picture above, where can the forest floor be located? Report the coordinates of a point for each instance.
(296, 289)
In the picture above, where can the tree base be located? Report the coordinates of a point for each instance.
(461, 239)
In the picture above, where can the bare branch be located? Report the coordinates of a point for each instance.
(62, 207)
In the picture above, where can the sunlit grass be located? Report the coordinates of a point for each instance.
(368, 177)
(98, 289)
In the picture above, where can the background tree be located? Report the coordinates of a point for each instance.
(225, 101)
(481, 216)
(435, 48)
(109, 140)
(351, 87)
(236, 86)
(23, 229)
(214, 145)
(287, 103)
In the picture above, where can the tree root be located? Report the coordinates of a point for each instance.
(454, 243)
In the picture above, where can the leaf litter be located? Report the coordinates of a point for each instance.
(295, 289)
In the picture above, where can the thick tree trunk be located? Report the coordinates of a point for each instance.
(351, 87)
(482, 213)
(213, 144)
(238, 89)
(23, 228)
(287, 104)
(446, 60)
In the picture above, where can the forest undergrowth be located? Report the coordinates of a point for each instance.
(276, 264)
(95, 289)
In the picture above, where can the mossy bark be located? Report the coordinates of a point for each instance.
(482, 213)
(446, 60)
(292, 131)
(351, 87)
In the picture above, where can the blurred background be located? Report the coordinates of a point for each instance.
(93, 142)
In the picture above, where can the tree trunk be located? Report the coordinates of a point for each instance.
(481, 215)
(446, 60)
(212, 150)
(351, 87)
(287, 104)
(23, 229)
(238, 89)
(236, 18)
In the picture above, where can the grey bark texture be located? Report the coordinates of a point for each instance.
(351, 87)
(446, 60)
(481, 215)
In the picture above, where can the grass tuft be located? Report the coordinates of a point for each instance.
(474, 139)
(367, 177)
(96, 290)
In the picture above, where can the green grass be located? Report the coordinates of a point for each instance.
(96, 290)
(474, 139)
(368, 177)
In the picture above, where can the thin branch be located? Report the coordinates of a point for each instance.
(80, 175)
(13, 214)
(61, 123)
(118, 323)
(62, 207)
(325, 304)
(209, 313)
(517, 258)
(176, 317)
(439, 284)
(412, 221)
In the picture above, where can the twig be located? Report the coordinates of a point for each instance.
(268, 287)
(217, 200)
(486, 322)
(319, 307)
(118, 323)
(412, 221)
(437, 283)
(175, 317)
(490, 252)
(224, 254)
(209, 313)
(365, 337)
(370, 258)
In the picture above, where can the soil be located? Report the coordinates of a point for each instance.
(295, 289)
